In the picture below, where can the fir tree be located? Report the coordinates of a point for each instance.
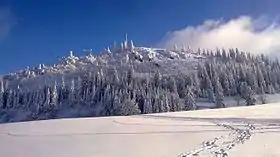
(249, 95)
(190, 103)
(126, 107)
(1, 93)
(54, 96)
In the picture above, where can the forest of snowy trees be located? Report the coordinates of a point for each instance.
(109, 92)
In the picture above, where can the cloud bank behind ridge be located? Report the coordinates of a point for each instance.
(261, 35)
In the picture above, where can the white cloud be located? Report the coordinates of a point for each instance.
(261, 35)
(7, 21)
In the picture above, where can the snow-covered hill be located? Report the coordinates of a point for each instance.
(236, 132)
(144, 61)
(127, 80)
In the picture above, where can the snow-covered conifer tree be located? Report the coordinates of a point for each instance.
(224, 80)
(224, 55)
(126, 107)
(172, 86)
(131, 45)
(248, 94)
(15, 99)
(190, 103)
(125, 45)
(196, 85)
(157, 78)
(262, 95)
(54, 95)
(147, 106)
(47, 96)
(218, 90)
(130, 76)
(115, 77)
(1, 93)
(211, 95)
(108, 50)
(260, 80)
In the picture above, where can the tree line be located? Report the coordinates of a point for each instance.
(110, 92)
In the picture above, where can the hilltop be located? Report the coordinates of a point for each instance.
(126, 80)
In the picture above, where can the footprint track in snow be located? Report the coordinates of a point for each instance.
(220, 146)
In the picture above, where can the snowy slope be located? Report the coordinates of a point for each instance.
(200, 133)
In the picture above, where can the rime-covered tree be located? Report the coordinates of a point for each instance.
(190, 103)
(225, 83)
(172, 86)
(262, 95)
(248, 94)
(47, 96)
(224, 55)
(130, 76)
(196, 85)
(1, 93)
(147, 106)
(8, 98)
(219, 95)
(54, 96)
(126, 107)
(115, 77)
(260, 80)
(206, 85)
(233, 83)
(157, 79)
(63, 92)
(72, 95)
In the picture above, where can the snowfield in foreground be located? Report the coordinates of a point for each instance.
(236, 132)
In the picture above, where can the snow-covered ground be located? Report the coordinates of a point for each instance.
(239, 132)
(235, 101)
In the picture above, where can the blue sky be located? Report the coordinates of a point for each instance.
(33, 32)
